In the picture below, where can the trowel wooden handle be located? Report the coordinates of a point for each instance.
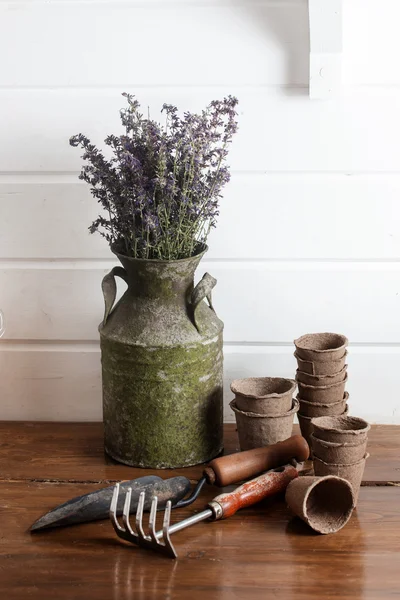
(242, 465)
(255, 490)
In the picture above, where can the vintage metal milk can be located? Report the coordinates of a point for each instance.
(162, 365)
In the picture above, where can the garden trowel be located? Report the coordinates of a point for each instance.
(95, 505)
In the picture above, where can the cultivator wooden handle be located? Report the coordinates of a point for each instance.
(242, 465)
(253, 491)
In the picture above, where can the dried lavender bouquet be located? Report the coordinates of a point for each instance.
(161, 187)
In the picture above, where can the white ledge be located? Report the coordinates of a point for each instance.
(325, 18)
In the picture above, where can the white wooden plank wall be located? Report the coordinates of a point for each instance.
(309, 232)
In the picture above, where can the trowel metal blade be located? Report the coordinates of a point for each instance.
(95, 505)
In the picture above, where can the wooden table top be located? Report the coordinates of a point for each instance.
(262, 552)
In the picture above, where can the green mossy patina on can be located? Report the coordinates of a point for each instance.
(162, 365)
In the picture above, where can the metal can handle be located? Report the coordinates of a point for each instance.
(202, 290)
(109, 287)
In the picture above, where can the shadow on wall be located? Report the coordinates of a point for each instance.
(288, 25)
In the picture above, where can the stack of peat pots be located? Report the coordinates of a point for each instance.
(264, 408)
(339, 447)
(321, 377)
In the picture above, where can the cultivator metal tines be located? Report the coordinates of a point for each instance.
(152, 540)
(159, 541)
(222, 507)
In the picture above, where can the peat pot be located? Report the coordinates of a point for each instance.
(161, 349)
(324, 503)
(353, 473)
(341, 429)
(259, 430)
(321, 347)
(320, 409)
(271, 396)
(321, 369)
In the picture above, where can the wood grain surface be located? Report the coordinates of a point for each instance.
(261, 552)
(74, 452)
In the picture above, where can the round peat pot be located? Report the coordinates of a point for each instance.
(352, 473)
(320, 409)
(270, 396)
(340, 430)
(324, 503)
(256, 431)
(345, 454)
(318, 368)
(307, 428)
(321, 347)
(317, 380)
(326, 394)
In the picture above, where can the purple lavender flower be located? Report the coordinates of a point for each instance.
(160, 190)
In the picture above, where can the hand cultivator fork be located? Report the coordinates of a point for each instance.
(222, 507)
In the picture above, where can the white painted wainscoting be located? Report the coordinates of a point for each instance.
(309, 231)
